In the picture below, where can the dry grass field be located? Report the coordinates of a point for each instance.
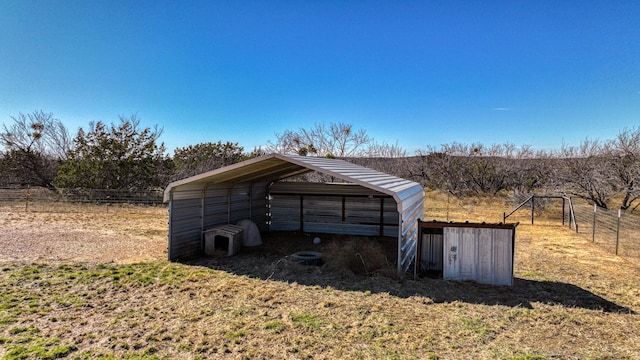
(96, 285)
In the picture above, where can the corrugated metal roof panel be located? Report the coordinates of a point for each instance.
(278, 166)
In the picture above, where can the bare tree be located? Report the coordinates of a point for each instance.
(585, 172)
(475, 168)
(482, 169)
(34, 144)
(623, 155)
(385, 150)
(437, 169)
(338, 140)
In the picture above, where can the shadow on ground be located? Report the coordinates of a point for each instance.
(524, 292)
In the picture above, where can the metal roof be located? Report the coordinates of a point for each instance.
(274, 167)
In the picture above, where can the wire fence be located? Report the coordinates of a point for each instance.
(614, 230)
(78, 200)
(445, 207)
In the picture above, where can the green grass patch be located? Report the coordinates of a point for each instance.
(46, 349)
(23, 330)
(275, 326)
(477, 326)
(306, 320)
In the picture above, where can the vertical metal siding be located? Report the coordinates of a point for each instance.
(483, 255)
(412, 210)
(185, 235)
(431, 252)
(503, 257)
(348, 213)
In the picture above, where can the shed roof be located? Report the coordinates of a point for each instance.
(274, 167)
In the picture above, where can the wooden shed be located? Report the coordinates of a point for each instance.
(362, 202)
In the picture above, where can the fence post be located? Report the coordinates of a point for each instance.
(563, 214)
(618, 233)
(533, 207)
(26, 205)
(593, 235)
(448, 195)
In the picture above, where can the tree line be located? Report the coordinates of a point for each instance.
(38, 150)
(606, 173)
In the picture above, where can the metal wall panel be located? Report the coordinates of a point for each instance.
(412, 210)
(185, 217)
(222, 205)
(289, 187)
(259, 206)
(503, 257)
(284, 212)
(356, 211)
(483, 255)
(431, 252)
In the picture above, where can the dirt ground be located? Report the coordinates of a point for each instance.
(87, 234)
(140, 235)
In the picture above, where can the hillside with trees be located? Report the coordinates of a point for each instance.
(38, 150)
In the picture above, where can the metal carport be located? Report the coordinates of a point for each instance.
(366, 202)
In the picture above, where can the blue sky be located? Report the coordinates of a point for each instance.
(418, 73)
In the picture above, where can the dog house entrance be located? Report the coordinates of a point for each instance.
(223, 237)
(221, 243)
